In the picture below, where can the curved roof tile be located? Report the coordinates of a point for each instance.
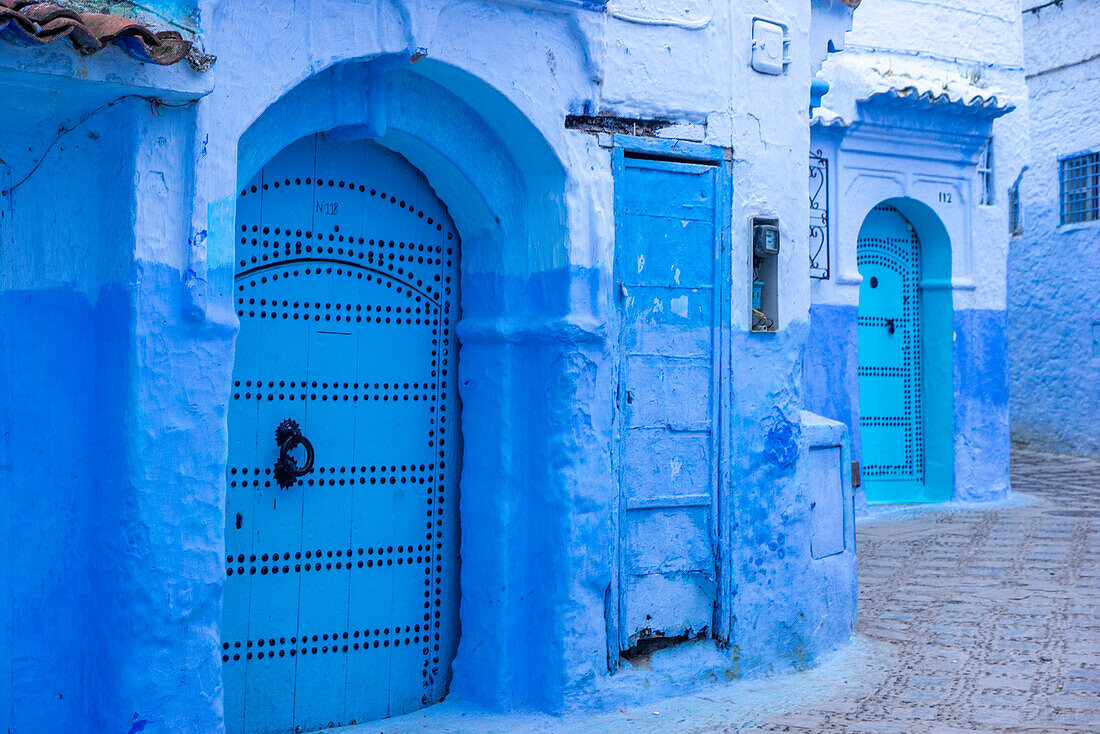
(956, 93)
(24, 23)
(825, 117)
(973, 101)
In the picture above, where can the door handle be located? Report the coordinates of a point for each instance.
(289, 437)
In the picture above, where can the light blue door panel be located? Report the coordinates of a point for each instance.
(667, 540)
(667, 392)
(665, 466)
(890, 365)
(347, 292)
(880, 390)
(668, 189)
(887, 444)
(665, 249)
(666, 255)
(676, 322)
(669, 605)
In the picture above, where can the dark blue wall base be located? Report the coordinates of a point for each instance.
(980, 399)
(831, 379)
(981, 406)
(62, 362)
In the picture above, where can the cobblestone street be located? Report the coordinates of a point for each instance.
(970, 620)
(994, 614)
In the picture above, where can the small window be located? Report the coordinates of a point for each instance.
(1015, 216)
(1080, 188)
(985, 175)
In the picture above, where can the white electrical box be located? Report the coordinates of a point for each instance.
(769, 47)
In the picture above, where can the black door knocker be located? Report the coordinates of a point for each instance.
(889, 326)
(289, 437)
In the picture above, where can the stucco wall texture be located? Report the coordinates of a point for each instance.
(926, 155)
(117, 339)
(1054, 301)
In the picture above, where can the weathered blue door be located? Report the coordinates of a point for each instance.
(666, 269)
(890, 381)
(341, 588)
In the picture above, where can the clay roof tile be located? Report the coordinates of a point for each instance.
(28, 23)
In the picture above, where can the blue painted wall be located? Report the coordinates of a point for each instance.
(832, 363)
(981, 405)
(117, 341)
(64, 317)
(777, 628)
(56, 351)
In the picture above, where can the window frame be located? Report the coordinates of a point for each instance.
(986, 196)
(1084, 206)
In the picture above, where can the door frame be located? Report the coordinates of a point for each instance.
(487, 161)
(625, 147)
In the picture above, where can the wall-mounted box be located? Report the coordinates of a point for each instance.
(764, 260)
(770, 47)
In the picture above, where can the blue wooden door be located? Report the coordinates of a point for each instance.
(666, 270)
(341, 589)
(890, 380)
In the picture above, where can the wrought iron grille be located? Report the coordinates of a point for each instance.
(819, 216)
(1080, 188)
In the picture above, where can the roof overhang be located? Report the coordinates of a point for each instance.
(967, 103)
(25, 23)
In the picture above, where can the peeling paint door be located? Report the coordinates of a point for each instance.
(341, 589)
(667, 276)
(890, 380)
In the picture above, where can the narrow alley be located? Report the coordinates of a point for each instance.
(993, 614)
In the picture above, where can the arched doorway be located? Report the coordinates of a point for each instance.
(905, 355)
(341, 590)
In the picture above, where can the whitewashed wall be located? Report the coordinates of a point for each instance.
(1054, 269)
(969, 55)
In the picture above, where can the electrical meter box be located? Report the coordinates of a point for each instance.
(765, 240)
(764, 260)
(769, 47)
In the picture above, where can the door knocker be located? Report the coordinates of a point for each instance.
(889, 326)
(289, 437)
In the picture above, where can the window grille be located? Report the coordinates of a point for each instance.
(1080, 188)
(985, 175)
(1015, 216)
(819, 216)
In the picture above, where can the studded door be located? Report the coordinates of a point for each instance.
(890, 383)
(341, 588)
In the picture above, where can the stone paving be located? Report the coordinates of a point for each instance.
(971, 619)
(994, 614)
